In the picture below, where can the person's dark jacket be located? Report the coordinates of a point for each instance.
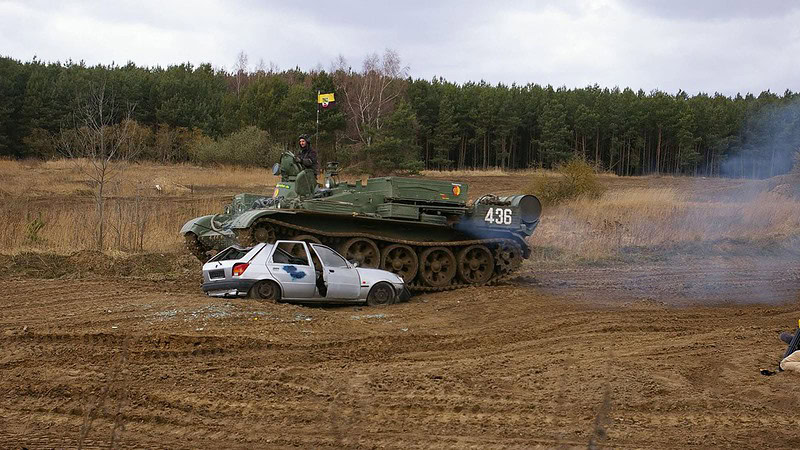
(308, 158)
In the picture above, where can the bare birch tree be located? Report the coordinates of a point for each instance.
(261, 68)
(240, 69)
(98, 145)
(369, 95)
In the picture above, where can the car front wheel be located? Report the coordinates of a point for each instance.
(266, 290)
(381, 294)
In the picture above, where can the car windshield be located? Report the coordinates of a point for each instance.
(329, 257)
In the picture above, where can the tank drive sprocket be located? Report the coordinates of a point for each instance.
(508, 257)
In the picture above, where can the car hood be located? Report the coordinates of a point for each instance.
(375, 275)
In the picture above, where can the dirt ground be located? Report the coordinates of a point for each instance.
(650, 350)
(659, 355)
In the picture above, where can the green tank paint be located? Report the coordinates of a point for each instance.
(379, 220)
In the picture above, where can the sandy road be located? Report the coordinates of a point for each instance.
(636, 356)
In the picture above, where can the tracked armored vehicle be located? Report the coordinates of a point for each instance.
(424, 230)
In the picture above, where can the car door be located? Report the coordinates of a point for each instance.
(342, 280)
(291, 267)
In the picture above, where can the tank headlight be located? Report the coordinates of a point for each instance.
(328, 183)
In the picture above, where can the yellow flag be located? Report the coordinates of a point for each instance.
(325, 98)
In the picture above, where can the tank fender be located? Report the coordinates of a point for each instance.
(526, 249)
(246, 219)
(198, 225)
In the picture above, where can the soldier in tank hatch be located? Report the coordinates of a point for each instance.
(308, 156)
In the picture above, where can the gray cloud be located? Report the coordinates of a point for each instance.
(696, 46)
(713, 9)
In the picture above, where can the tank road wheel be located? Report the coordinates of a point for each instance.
(507, 257)
(297, 250)
(196, 247)
(361, 250)
(381, 294)
(266, 290)
(437, 266)
(475, 264)
(244, 237)
(400, 259)
(307, 238)
(264, 232)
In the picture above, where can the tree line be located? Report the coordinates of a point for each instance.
(385, 120)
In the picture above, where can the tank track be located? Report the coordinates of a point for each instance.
(196, 247)
(285, 230)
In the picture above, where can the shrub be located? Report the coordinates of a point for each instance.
(249, 146)
(391, 155)
(40, 143)
(576, 178)
(345, 155)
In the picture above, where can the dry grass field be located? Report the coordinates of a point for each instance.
(641, 321)
(146, 204)
(664, 218)
(49, 206)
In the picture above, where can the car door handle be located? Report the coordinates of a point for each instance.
(331, 271)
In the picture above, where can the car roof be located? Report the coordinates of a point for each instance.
(268, 246)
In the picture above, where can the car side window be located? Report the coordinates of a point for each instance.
(328, 257)
(290, 253)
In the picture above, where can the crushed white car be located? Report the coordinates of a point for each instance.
(296, 271)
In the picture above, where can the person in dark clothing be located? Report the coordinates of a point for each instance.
(792, 361)
(787, 337)
(307, 157)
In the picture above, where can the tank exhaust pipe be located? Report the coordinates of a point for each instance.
(530, 206)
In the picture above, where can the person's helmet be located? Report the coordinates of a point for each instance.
(304, 136)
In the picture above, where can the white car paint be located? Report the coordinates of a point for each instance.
(297, 279)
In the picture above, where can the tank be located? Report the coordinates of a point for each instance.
(424, 230)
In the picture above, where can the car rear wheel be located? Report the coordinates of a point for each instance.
(381, 294)
(266, 290)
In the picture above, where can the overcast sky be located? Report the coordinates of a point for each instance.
(695, 45)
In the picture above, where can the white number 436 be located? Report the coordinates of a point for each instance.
(499, 216)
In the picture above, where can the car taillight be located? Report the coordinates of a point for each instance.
(238, 269)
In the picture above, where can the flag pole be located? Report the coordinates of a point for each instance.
(316, 135)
